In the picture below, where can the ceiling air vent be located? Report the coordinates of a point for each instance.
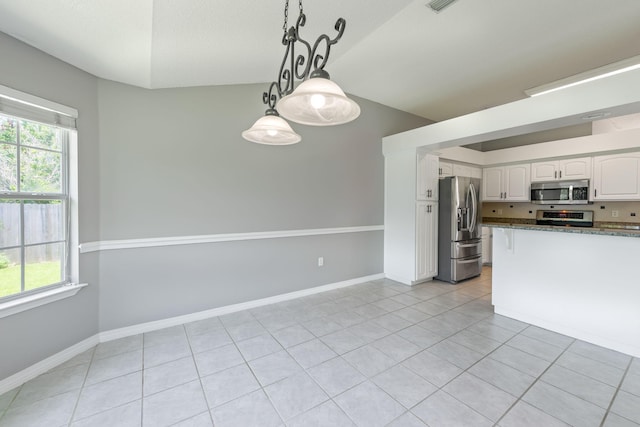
(438, 5)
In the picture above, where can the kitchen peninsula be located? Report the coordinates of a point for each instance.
(581, 282)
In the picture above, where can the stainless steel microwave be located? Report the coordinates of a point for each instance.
(560, 192)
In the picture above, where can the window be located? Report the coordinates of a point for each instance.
(34, 206)
(38, 201)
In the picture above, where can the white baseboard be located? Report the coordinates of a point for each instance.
(192, 317)
(51, 362)
(47, 364)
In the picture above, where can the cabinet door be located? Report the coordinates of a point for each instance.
(422, 244)
(427, 177)
(476, 172)
(574, 168)
(492, 179)
(426, 240)
(544, 171)
(616, 177)
(461, 170)
(445, 169)
(432, 240)
(517, 182)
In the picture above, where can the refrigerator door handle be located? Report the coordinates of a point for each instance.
(468, 245)
(468, 261)
(474, 208)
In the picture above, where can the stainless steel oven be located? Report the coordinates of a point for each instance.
(565, 218)
(560, 192)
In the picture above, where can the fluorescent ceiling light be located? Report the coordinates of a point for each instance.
(623, 66)
(438, 5)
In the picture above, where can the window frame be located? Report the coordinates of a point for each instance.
(38, 110)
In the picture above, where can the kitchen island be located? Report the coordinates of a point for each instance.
(581, 282)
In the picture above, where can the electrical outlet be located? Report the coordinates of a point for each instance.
(615, 214)
(320, 261)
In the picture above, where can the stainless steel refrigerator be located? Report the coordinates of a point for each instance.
(459, 229)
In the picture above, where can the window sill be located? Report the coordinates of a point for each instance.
(32, 301)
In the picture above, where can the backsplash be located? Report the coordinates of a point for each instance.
(628, 212)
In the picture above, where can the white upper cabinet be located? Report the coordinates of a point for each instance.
(518, 182)
(427, 171)
(554, 170)
(616, 177)
(493, 184)
(476, 172)
(507, 183)
(445, 169)
(456, 169)
(579, 168)
(544, 171)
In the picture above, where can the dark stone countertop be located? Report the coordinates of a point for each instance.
(601, 228)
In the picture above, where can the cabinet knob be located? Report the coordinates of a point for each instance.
(560, 174)
(555, 174)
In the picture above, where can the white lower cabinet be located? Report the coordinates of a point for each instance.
(616, 177)
(426, 240)
(487, 244)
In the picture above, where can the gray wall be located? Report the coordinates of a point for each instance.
(33, 335)
(173, 163)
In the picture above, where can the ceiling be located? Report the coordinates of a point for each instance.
(471, 56)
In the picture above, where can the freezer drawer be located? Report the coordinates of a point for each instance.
(466, 267)
(466, 249)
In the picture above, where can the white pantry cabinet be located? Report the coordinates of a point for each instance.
(427, 168)
(410, 220)
(560, 170)
(506, 183)
(616, 177)
(426, 240)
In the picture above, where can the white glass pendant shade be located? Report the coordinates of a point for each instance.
(272, 130)
(318, 102)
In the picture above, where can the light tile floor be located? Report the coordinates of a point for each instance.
(374, 354)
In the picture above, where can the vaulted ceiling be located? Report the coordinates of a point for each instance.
(470, 56)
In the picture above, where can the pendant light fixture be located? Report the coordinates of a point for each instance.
(271, 129)
(317, 101)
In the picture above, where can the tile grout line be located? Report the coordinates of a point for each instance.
(255, 377)
(615, 394)
(84, 382)
(193, 357)
(538, 378)
(142, 383)
(441, 388)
